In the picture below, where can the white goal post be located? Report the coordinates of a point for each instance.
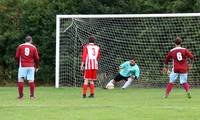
(148, 36)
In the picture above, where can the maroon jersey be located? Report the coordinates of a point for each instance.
(91, 55)
(27, 55)
(179, 56)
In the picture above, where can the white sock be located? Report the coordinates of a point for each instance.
(111, 81)
(127, 83)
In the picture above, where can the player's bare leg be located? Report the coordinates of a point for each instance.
(20, 88)
(168, 89)
(32, 89)
(91, 89)
(85, 86)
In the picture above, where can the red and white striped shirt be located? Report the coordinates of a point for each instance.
(91, 55)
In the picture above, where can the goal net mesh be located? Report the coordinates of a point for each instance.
(148, 38)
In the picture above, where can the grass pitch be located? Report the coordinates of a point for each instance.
(116, 104)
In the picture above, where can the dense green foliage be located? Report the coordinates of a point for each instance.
(131, 104)
(19, 18)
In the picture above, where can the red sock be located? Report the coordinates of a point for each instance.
(169, 88)
(186, 86)
(85, 89)
(32, 88)
(20, 88)
(92, 89)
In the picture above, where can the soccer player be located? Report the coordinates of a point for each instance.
(180, 68)
(128, 71)
(28, 59)
(90, 57)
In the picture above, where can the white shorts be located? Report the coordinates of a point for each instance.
(26, 73)
(182, 77)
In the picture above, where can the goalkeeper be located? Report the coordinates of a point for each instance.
(128, 71)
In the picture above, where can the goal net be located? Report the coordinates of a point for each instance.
(149, 37)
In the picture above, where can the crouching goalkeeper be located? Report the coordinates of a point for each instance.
(128, 71)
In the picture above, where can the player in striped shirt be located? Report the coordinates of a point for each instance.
(180, 68)
(128, 71)
(28, 59)
(90, 57)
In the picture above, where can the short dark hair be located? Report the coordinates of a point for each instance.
(133, 57)
(178, 40)
(92, 39)
(28, 38)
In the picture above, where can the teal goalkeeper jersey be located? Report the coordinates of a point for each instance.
(128, 70)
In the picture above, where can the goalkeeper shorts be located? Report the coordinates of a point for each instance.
(119, 77)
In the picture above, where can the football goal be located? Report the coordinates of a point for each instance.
(147, 36)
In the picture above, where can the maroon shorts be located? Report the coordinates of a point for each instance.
(90, 74)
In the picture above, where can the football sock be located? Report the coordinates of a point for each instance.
(84, 96)
(169, 88)
(111, 81)
(85, 89)
(32, 88)
(127, 83)
(189, 95)
(186, 87)
(20, 88)
(91, 89)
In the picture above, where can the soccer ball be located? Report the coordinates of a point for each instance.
(110, 86)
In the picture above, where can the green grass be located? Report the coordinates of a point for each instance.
(131, 104)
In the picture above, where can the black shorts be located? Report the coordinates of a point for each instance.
(119, 77)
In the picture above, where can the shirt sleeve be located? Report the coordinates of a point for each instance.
(36, 57)
(189, 54)
(168, 58)
(123, 64)
(137, 73)
(98, 57)
(17, 54)
(84, 55)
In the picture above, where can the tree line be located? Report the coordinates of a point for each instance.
(19, 18)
